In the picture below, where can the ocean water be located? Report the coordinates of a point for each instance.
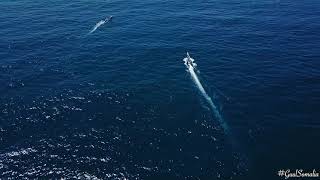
(119, 103)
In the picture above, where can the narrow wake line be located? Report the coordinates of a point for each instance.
(100, 23)
(243, 158)
(189, 62)
(97, 26)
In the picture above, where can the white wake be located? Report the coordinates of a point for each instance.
(205, 95)
(97, 26)
(100, 23)
(242, 157)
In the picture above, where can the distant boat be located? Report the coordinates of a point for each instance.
(189, 62)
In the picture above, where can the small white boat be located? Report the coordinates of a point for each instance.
(189, 62)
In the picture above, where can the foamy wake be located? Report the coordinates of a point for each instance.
(100, 23)
(205, 95)
(97, 26)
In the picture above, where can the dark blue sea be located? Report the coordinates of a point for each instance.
(117, 101)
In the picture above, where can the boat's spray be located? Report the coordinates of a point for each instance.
(243, 163)
(100, 23)
(191, 65)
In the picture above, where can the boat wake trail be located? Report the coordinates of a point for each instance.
(189, 62)
(100, 23)
(243, 161)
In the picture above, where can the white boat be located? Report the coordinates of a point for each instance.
(189, 62)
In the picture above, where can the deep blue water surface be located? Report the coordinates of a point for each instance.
(119, 103)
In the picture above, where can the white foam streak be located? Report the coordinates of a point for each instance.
(97, 26)
(206, 96)
(100, 23)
